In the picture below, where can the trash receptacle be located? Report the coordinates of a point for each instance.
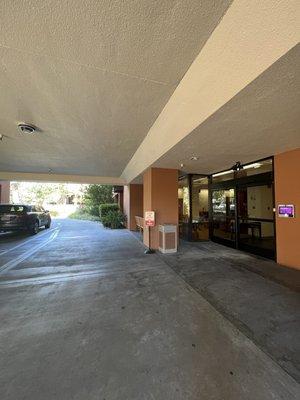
(167, 238)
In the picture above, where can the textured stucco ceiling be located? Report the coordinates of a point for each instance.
(93, 76)
(252, 36)
(262, 120)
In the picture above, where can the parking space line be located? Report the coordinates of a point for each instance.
(26, 241)
(16, 261)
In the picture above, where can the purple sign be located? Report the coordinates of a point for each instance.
(286, 210)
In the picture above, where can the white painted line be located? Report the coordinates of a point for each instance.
(27, 241)
(16, 261)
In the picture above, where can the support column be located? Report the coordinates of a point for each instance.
(133, 204)
(161, 196)
(4, 191)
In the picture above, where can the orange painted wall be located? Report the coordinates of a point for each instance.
(161, 196)
(136, 204)
(287, 191)
(133, 204)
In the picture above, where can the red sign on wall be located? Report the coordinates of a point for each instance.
(149, 218)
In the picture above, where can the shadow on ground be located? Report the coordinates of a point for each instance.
(266, 311)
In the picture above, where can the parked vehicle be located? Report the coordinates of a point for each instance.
(21, 217)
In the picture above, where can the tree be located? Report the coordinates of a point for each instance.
(96, 195)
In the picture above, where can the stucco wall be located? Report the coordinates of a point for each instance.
(136, 204)
(287, 191)
(133, 204)
(161, 196)
(4, 191)
(126, 204)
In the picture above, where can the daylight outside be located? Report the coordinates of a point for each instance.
(149, 200)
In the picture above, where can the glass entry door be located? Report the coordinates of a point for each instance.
(256, 232)
(184, 208)
(224, 216)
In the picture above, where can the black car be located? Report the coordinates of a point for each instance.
(21, 217)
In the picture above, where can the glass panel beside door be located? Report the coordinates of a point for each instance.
(223, 215)
(199, 212)
(184, 208)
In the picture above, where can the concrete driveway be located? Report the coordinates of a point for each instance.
(86, 315)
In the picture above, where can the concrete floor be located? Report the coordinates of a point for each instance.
(86, 315)
(265, 311)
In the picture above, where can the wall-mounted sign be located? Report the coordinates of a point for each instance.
(286, 210)
(149, 218)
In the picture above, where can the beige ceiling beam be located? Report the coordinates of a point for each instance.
(251, 36)
(34, 177)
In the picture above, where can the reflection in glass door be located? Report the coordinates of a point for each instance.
(199, 209)
(184, 207)
(256, 219)
(223, 215)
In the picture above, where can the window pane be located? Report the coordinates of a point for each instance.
(11, 209)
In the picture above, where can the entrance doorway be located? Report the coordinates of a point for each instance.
(242, 208)
(255, 219)
(223, 216)
(193, 207)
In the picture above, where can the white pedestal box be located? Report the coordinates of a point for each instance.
(167, 238)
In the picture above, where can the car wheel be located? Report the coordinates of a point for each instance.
(47, 226)
(34, 229)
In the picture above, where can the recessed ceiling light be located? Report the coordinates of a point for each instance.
(181, 165)
(27, 128)
(194, 158)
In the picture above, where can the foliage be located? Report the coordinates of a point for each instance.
(83, 215)
(95, 195)
(44, 192)
(105, 208)
(111, 216)
(113, 219)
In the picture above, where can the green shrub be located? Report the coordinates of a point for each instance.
(104, 209)
(92, 210)
(114, 219)
(83, 215)
(95, 195)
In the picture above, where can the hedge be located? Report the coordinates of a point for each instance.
(104, 209)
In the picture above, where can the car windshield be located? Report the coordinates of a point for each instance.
(12, 208)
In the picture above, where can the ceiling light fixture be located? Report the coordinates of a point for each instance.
(181, 165)
(27, 128)
(254, 165)
(1, 137)
(222, 173)
(194, 158)
(237, 166)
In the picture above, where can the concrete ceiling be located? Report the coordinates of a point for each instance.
(117, 87)
(260, 121)
(93, 76)
(251, 37)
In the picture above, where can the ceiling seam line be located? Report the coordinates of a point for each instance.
(92, 67)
